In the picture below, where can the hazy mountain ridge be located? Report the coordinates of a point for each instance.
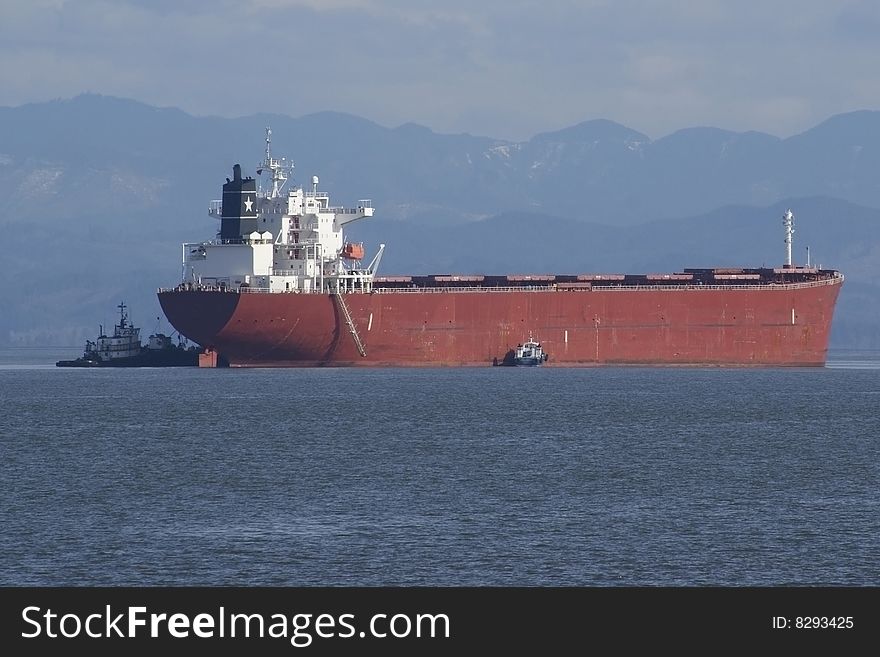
(100, 192)
(597, 171)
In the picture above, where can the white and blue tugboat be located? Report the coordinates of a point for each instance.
(529, 354)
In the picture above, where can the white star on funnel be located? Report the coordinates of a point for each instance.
(248, 203)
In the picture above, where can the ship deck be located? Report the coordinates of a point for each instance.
(689, 279)
(714, 278)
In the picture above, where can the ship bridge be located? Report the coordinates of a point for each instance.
(279, 239)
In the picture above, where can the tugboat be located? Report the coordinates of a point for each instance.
(124, 349)
(529, 354)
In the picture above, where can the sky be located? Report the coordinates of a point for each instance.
(507, 69)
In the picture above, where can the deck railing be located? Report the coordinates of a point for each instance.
(523, 288)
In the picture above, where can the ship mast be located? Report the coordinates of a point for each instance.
(279, 168)
(788, 222)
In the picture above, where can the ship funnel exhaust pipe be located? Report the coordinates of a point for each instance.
(788, 222)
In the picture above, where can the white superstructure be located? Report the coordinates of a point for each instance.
(278, 239)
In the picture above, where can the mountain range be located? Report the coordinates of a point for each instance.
(99, 192)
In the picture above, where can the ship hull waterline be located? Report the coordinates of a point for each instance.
(782, 325)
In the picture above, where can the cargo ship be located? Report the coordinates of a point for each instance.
(279, 286)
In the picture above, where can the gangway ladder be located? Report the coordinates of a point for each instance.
(351, 327)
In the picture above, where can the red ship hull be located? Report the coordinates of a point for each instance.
(747, 325)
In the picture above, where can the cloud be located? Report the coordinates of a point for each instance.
(506, 69)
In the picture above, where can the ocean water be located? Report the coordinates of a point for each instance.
(439, 477)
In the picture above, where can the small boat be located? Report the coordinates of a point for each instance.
(529, 354)
(124, 349)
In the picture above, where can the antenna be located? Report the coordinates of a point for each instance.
(268, 144)
(279, 169)
(788, 222)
